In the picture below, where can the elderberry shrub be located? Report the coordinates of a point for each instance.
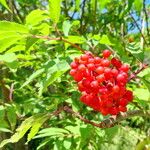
(102, 82)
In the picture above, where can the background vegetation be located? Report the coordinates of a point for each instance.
(38, 40)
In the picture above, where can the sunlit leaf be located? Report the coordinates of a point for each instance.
(4, 3)
(36, 17)
(105, 40)
(55, 9)
(66, 27)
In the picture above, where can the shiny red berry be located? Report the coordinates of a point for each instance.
(106, 53)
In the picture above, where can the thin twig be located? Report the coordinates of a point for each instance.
(17, 12)
(146, 17)
(59, 39)
(134, 74)
(11, 92)
(82, 15)
(138, 27)
(72, 44)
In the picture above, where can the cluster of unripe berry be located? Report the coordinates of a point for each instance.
(102, 82)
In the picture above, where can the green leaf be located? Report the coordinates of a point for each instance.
(8, 41)
(111, 132)
(3, 2)
(55, 9)
(76, 39)
(138, 5)
(8, 57)
(36, 126)
(24, 127)
(103, 3)
(13, 65)
(33, 76)
(36, 17)
(66, 27)
(16, 48)
(5, 130)
(53, 73)
(30, 42)
(105, 40)
(51, 132)
(147, 83)
(134, 49)
(43, 143)
(11, 115)
(10, 33)
(145, 72)
(139, 93)
(67, 143)
(93, 4)
(77, 4)
(6, 26)
(142, 144)
(130, 3)
(74, 129)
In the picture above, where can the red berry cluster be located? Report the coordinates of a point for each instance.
(102, 82)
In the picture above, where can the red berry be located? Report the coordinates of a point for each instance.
(91, 66)
(73, 72)
(114, 72)
(129, 95)
(123, 109)
(100, 78)
(120, 78)
(74, 65)
(81, 67)
(89, 53)
(123, 102)
(97, 60)
(103, 90)
(125, 67)
(99, 70)
(115, 62)
(91, 60)
(105, 63)
(84, 57)
(114, 111)
(86, 83)
(80, 86)
(107, 73)
(86, 73)
(106, 53)
(94, 84)
(104, 111)
(82, 62)
(116, 89)
(78, 77)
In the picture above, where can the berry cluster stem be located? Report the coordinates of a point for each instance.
(107, 123)
(134, 74)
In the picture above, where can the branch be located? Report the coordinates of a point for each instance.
(11, 90)
(138, 28)
(146, 17)
(17, 12)
(59, 39)
(82, 15)
(134, 74)
(107, 123)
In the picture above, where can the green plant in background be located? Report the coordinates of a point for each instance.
(39, 101)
